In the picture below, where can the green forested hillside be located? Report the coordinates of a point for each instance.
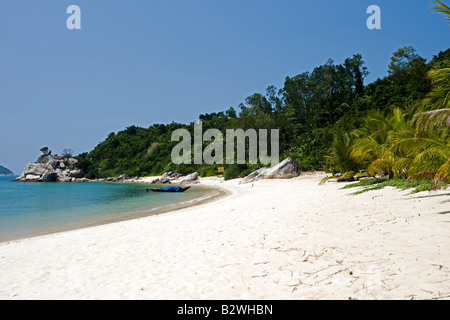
(317, 112)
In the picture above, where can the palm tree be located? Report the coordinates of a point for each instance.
(395, 146)
(376, 139)
(438, 100)
(432, 133)
(391, 144)
(427, 155)
(340, 159)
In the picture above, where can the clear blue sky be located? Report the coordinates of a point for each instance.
(142, 62)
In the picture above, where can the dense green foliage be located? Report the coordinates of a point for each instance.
(320, 114)
(4, 171)
(411, 141)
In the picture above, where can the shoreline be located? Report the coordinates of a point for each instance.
(211, 194)
(271, 239)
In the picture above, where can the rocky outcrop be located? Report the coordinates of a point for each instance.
(190, 179)
(173, 176)
(122, 178)
(50, 168)
(168, 177)
(288, 168)
(76, 173)
(36, 169)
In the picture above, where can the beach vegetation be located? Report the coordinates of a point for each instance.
(232, 172)
(414, 186)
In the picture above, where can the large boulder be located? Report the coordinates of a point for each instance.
(45, 159)
(46, 155)
(71, 162)
(288, 168)
(36, 169)
(31, 178)
(49, 177)
(162, 180)
(172, 175)
(168, 177)
(77, 173)
(256, 175)
(121, 178)
(190, 179)
(63, 178)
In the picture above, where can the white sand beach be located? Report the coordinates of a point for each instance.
(273, 239)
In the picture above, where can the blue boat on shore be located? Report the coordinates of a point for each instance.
(169, 189)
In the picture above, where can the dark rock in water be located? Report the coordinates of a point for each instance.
(50, 168)
(49, 177)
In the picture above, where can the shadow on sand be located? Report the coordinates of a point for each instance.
(433, 196)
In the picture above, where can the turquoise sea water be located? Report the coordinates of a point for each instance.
(28, 209)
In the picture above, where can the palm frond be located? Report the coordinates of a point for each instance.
(340, 156)
(442, 8)
(366, 149)
(434, 118)
(347, 177)
(439, 97)
(443, 174)
(386, 162)
(324, 180)
(424, 175)
(402, 165)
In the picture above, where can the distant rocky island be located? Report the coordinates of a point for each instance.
(52, 168)
(5, 172)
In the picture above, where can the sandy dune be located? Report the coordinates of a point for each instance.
(277, 239)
